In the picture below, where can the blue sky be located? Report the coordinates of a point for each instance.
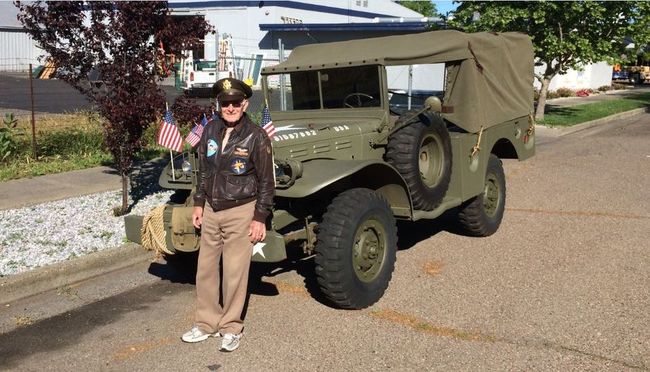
(445, 6)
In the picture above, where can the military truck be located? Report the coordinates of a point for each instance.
(348, 167)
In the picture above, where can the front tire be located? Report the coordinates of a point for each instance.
(482, 215)
(356, 248)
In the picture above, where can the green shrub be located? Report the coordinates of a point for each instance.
(552, 94)
(8, 137)
(565, 92)
(604, 88)
(70, 142)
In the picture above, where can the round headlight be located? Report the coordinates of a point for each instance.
(186, 167)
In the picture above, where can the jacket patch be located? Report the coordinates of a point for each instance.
(212, 147)
(240, 151)
(238, 165)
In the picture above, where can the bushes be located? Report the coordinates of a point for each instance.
(565, 92)
(8, 137)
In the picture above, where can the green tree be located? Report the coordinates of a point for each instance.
(424, 7)
(119, 40)
(565, 35)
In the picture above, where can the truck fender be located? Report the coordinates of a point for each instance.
(377, 175)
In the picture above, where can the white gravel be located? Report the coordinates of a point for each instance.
(57, 231)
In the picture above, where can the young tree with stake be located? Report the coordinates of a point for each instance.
(119, 40)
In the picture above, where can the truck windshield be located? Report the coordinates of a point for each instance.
(337, 88)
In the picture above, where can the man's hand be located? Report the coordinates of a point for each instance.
(197, 217)
(257, 231)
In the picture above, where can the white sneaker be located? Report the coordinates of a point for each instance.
(197, 335)
(230, 342)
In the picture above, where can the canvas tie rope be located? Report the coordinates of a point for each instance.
(153, 232)
(477, 147)
(531, 128)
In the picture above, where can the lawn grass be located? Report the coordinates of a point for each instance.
(65, 142)
(572, 115)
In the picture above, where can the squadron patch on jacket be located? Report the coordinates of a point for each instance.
(238, 165)
(240, 151)
(212, 147)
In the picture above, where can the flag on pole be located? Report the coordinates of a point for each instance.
(195, 134)
(168, 135)
(267, 123)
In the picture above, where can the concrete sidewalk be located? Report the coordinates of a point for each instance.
(29, 191)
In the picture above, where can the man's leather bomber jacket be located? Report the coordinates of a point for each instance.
(239, 173)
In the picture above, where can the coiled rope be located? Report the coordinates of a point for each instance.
(153, 232)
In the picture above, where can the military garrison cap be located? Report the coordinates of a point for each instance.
(231, 88)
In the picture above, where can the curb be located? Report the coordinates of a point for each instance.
(563, 131)
(46, 278)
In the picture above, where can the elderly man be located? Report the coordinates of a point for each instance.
(234, 196)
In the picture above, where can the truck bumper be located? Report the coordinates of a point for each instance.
(272, 249)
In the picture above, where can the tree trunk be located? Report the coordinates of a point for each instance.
(125, 192)
(541, 101)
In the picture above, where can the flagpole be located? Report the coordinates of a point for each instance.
(171, 156)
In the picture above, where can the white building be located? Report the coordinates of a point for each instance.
(261, 31)
(17, 49)
(592, 76)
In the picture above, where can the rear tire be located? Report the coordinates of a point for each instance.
(421, 153)
(482, 215)
(356, 248)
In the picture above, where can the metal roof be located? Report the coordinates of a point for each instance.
(370, 26)
(177, 5)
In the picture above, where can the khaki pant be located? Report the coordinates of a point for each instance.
(224, 234)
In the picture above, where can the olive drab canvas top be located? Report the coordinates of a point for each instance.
(489, 75)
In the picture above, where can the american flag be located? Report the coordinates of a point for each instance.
(267, 123)
(195, 134)
(168, 135)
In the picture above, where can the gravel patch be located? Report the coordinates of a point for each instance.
(62, 230)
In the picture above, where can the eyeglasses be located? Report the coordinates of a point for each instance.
(235, 104)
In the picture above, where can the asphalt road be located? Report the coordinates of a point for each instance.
(54, 96)
(563, 285)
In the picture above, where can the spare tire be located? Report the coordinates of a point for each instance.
(420, 150)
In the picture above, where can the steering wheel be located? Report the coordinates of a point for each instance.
(360, 98)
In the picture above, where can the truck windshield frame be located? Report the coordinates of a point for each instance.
(326, 89)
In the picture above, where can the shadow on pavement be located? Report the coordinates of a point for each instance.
(181, 267)
(177, 268)
(67, 329)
